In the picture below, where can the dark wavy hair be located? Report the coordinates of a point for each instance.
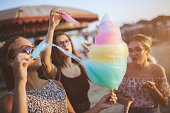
(6, 54)
(57, 57)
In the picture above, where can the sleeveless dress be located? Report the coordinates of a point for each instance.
(76, 89)
(49, 99)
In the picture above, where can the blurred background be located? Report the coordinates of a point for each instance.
(29, 18)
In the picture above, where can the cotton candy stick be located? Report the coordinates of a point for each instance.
(69, 18)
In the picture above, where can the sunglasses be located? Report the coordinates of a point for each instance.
(137, 50)
(28, 49)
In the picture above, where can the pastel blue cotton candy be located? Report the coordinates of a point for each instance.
(108, 74)
(67, 53)
(42, 46)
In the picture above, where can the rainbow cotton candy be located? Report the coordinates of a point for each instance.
(107, 61)
(108, 32)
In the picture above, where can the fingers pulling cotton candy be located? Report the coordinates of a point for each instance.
(108, 32)
(69, 18)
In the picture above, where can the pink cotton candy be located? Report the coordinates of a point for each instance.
(108, 32)
(69, 18)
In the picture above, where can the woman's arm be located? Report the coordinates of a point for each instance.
(105, 102)
(154, 91)
(69, 106)
(20, 98)
(6, 103)
(125, 101)
(54, 20)
(19, 66)
(157, 95)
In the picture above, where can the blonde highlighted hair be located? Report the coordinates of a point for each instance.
(146, 42)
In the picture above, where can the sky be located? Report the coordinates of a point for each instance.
(122, 11)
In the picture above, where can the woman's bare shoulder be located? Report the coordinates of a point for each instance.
(158, 70)
(51, 74)
(6, 103)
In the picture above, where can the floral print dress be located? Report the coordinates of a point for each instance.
(132, 87)
(49, 99)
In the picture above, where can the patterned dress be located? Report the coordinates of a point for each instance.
(132, 87)
(49, 99)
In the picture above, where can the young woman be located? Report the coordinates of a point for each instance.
(144, 80)
(29, 93)
(65, 69)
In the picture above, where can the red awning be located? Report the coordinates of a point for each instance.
(32, 21)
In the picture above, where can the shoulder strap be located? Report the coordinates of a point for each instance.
(83, 71)
(58, 74)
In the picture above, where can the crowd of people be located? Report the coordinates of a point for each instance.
(54, 82)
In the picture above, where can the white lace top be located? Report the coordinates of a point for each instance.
(131, 87)
(49, 99)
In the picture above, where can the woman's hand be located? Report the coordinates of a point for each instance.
(125, 101)
(20, 65)
(149, 85)
(86, 47)
(55, 17)
(128, 104)
(157, 95)
(107, 101)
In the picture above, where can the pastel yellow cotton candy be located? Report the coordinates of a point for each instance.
(106, 53)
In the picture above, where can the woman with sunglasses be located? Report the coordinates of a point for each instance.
(65, 69)
(144, 81)
(29, 93)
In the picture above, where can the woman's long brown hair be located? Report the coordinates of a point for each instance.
(6, 54)
(57, 57)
